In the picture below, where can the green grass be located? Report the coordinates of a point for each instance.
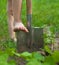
(44, 12)
(3, 20)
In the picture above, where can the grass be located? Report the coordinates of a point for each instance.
(44, 12)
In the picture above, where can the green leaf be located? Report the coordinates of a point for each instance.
(12, 62)
(34, 62)
(26, 54)
(45, 63)
(3, 58)
(38, 56)
(55, 56)
(17, 54)
(47, 49)
(49, 60)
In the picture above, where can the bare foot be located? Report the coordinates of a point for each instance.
(19, 26)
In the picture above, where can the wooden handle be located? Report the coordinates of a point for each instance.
(29, 12)
(29, 6)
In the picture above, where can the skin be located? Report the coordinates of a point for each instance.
(10, 19)
(14, 15)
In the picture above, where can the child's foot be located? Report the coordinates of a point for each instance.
(19, 26)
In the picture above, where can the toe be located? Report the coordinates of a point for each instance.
(20, 27)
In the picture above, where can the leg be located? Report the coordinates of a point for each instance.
(10, 20)
(17, 5)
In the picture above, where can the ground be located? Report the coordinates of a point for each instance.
(44, 12)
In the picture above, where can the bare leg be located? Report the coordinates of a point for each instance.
(10, 20)
(17, 5)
